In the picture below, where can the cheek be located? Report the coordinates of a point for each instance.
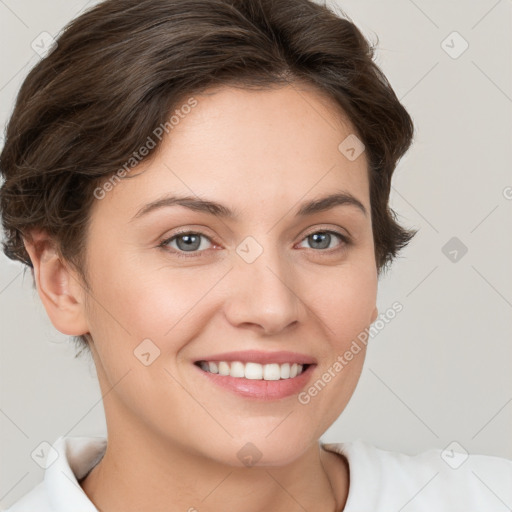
(133, 302)
(169, 303)
(344, 301)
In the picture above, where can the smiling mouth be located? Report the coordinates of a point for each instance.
(253, 371)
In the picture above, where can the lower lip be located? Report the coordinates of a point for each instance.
(261, 389)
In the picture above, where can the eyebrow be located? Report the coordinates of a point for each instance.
(220, 210)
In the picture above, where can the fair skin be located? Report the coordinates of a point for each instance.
(262, 154)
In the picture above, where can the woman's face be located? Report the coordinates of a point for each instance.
(265, 279)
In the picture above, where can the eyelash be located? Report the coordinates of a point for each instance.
(194, 254)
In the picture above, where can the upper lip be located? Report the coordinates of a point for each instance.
(257, 356)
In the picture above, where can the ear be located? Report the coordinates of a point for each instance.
(375, 314)
(60, 290)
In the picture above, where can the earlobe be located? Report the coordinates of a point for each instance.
(59, 290)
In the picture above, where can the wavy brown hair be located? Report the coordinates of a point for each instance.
(120, 69)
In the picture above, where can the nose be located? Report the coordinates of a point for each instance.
(262, 296)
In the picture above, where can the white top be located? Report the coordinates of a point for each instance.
(380, 480)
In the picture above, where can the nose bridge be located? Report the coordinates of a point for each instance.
(261, 289)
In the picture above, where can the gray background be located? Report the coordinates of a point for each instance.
(441, 370)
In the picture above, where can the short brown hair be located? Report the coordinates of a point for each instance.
(120, 69)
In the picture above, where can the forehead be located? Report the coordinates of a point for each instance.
(248, 147)
(271, 118)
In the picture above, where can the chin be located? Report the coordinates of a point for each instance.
(278, 449)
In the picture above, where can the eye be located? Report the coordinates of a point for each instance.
(186, 242)
(322, 239)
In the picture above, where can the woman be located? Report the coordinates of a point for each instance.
(201, 190)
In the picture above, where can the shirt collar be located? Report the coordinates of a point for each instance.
(365, 474)
(74, 457)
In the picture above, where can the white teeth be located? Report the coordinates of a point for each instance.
(223, 368)
(271, 372)
(285, 371)
(253, 371)
(237, 369)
